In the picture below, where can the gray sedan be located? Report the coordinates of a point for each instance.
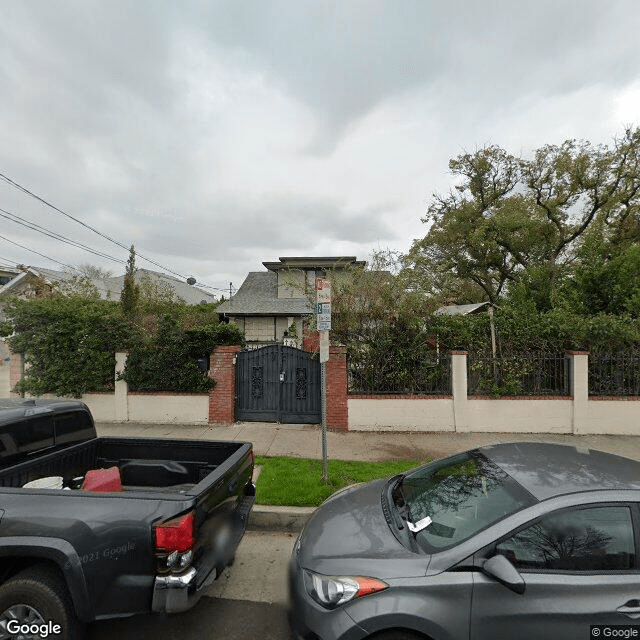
(523, 541)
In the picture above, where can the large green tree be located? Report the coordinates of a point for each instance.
(515, 221)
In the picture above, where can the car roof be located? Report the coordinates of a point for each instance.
(547, 470)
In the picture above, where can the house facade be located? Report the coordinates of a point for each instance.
(271, 306)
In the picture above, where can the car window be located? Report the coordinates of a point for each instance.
(585, 539)
(460, 496)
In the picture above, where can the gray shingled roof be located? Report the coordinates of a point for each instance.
(258, 296)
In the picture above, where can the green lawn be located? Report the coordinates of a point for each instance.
(297, 482)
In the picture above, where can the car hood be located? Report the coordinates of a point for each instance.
(349, 535)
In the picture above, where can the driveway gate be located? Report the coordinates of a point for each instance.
(278, 384)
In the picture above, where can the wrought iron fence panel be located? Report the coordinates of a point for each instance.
(391, 374)
(524, 374)
(614, 374)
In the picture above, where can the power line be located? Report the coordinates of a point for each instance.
(93, 229)
(52, 234)
(38, 253)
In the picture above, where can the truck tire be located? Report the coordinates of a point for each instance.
(38, 596)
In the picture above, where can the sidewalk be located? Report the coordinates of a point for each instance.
(305, 441)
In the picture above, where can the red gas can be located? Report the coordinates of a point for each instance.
(102, 480)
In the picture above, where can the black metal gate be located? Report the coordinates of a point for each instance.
(278, 384)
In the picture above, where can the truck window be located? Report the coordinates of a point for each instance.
(73, 427)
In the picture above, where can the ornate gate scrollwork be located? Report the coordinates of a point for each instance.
(301, 383)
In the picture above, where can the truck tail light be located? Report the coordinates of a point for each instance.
(177, 534)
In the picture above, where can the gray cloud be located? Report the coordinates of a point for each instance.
(215, 135)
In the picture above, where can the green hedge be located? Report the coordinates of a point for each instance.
(69, 344)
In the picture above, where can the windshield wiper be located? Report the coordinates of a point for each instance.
(396, 500)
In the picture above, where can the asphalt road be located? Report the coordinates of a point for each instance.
(249, 600)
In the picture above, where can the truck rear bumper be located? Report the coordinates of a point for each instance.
(175, 593)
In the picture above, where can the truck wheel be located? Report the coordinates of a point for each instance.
(34, 599)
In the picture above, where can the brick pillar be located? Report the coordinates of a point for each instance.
(222, 397)
(337, 389)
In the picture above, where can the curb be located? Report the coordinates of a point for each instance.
(286, 519)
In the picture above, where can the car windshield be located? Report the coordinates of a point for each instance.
(451, 500)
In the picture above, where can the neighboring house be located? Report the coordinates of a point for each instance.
(271, 305)
(461, 309)
(28, 281)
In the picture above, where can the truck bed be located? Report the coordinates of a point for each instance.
(174, 465)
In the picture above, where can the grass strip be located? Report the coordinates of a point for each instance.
(297, 482)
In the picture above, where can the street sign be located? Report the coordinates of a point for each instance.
(323, 290)
(323, 307)
(323, 320)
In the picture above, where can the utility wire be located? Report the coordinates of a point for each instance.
(52, 234)
(87, 226)
(68, 266)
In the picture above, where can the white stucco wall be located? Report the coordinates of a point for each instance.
(407, 414)
(166, 408)
(619, 417)
(518, 415)
(101, 405)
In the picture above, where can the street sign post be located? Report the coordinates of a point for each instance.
(323, 322)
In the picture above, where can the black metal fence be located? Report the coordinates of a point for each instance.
(391, 375)
(614, 374)
(525, 374)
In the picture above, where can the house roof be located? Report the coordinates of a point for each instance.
(188, 293)
(460, 309)
(258, 295)
(111, 286)
(314, 262)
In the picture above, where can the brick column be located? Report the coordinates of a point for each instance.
(222, 398)
(337, 389)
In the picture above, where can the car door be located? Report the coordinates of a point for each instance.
(580, 569)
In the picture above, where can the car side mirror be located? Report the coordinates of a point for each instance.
(500, 569)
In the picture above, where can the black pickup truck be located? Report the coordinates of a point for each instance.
(109, 527)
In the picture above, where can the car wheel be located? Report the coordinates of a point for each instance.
(34, 599)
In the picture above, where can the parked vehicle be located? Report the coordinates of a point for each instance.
(94, 528)
(519, 540)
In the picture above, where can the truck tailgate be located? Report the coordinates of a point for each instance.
(223, 501)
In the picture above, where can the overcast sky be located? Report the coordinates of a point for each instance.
(216, 135)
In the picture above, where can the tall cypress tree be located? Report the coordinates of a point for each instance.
(130, 295)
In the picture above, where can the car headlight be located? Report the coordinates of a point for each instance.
(332, 591)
